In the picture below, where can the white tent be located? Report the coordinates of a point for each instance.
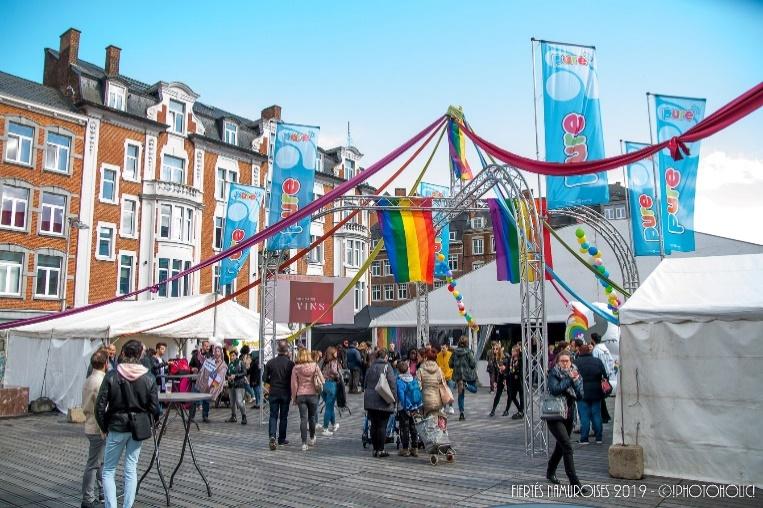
(56, 353)
(691, 345)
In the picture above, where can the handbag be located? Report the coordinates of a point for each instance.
(606, 387)
(318, 380)
(139, 423)
(446, 396)
(382, 387)
(553, 408)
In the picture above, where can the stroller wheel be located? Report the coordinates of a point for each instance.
(450, 455)
(433, 460)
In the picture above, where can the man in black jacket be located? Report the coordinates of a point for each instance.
(277, 379)
(130, 388)
(592, 371)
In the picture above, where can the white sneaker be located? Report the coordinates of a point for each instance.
(311, 441)
(318, 427)
(451, 411)
(327, 433)
(304, 447)
(336, 427)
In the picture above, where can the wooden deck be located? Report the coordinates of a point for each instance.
(41, 461)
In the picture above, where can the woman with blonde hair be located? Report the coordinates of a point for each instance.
(430, 376)
(330, 371)
(304, 378)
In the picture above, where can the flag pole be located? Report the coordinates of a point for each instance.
(627, 200)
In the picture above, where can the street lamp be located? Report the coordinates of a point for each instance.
(74, 223)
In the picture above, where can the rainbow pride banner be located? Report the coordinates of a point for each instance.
(409, 238)
(457, 150)
(506, 242)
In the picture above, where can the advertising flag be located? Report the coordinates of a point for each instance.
(572, 123)
(241, 219)
(678, 179)
(294, 156)
(644, 204)
(442, 240)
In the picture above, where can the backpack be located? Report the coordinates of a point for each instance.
(179, 366)
(413, 397)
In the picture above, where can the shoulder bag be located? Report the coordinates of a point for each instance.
(606, 387)
(139, 423)
(446, 396)
(318, 380)
(553, 408)
(382, 387)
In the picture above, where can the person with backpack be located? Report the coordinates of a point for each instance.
(409, 403)
(306, 383)
(127, 401)
(464, 367)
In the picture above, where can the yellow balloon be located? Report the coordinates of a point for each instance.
(455, 293)
(581, 240)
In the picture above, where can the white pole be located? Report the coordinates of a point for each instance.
(309, 338)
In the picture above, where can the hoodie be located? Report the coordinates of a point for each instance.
(131, 371)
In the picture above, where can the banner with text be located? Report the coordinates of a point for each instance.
(442, 240)
(294, 156)
(678, 179)
(572, 123)
(304, 298)
(241, 221)
(644, 205)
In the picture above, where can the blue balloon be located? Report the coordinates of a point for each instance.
(454, 283)
(592, 250)
(459, 297)
(584, 245)
(606, 273)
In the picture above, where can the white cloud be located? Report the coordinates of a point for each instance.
(730, 197)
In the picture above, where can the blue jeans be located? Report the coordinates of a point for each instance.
(452, 386)
(461, 387)
(329, 398)
(254, 392)
(116, 442)
(590, 412)
(279, 405)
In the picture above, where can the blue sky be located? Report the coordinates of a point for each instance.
(391, 68)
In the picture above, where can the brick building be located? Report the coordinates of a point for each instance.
(143, 170)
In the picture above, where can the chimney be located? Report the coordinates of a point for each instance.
(271, 113)
(69, 49)
(112, 60)
(400, 191)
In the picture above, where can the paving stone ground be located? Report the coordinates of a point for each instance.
(42, 457)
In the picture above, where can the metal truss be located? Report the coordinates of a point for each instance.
(422, 314)
(269, 262)
(613, 238)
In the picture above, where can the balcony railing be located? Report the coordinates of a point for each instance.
(353, 228)
(166, 189)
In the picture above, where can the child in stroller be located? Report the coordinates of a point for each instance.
(392, 431)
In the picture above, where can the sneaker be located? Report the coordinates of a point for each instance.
(414, 452)
(505, 413)
(517, 416)
(284, 442)
(273, 443)
(492, 413)
(327, 433)
(318, 427)
(461, 417)
(404, 452)
(232, 419)
(243, 420)
(599, 441)
(304, 447)
(311, 441)
(451, 411)
(583, 442)
(335, 427)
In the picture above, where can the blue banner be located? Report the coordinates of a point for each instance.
(294, 155)
(442, 241)
(241, 219)
(644, 204)
(572, 123)
(678, 179)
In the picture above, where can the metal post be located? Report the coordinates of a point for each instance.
(74, 224)
(268, 272)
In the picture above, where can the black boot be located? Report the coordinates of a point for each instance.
(243, 419)
(492, 413)
(551, 477)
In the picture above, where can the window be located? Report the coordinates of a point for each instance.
(132, 167)
(228, 288)
(452, 235)
(478, 246)
(453, 261)
(620, 212)
(105, 243)
(438, 283)
(614, 212)
(375, 269)
(176, 223)
(402, 291)
(169, 268)
(349, 168)
(11, 264)
(386, 267)
(126, 264)
(176, 116)
(374, 243)
(316, 254)
(354, 252)
(376, 292)
(492, 244)
(18, 147)
(360, 295)
(319, 163)
(256, 176)
(478, 222)
(14, 207)
(221, 182)
(116, 97)
(57, 152)
(129, 213)
(108, 185)
(48, 275)
(219, 231)
(165, 217)
(477, 264)
(52, 213)
(389, 291)
(231, 133)
(173, 169)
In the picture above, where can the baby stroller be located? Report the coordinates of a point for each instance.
(393, 432)
(433, 433)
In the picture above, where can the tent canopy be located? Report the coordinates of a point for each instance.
(229, 321)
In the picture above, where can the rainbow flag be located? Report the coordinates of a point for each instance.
(457, 148)
(409, 238)
(506, 242)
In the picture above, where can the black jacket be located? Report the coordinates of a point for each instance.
(111, 407)
(254, 370)
(277, 374)
(592, 370)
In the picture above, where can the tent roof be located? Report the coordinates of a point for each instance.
(702, 289)
(232, 321)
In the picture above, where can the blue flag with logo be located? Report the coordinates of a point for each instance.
(572, 123)
(442, 240)
(293, 175)
(645, 207)
(241, 220)
(678, 179)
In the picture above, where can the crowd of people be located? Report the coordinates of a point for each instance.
(120, 395)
